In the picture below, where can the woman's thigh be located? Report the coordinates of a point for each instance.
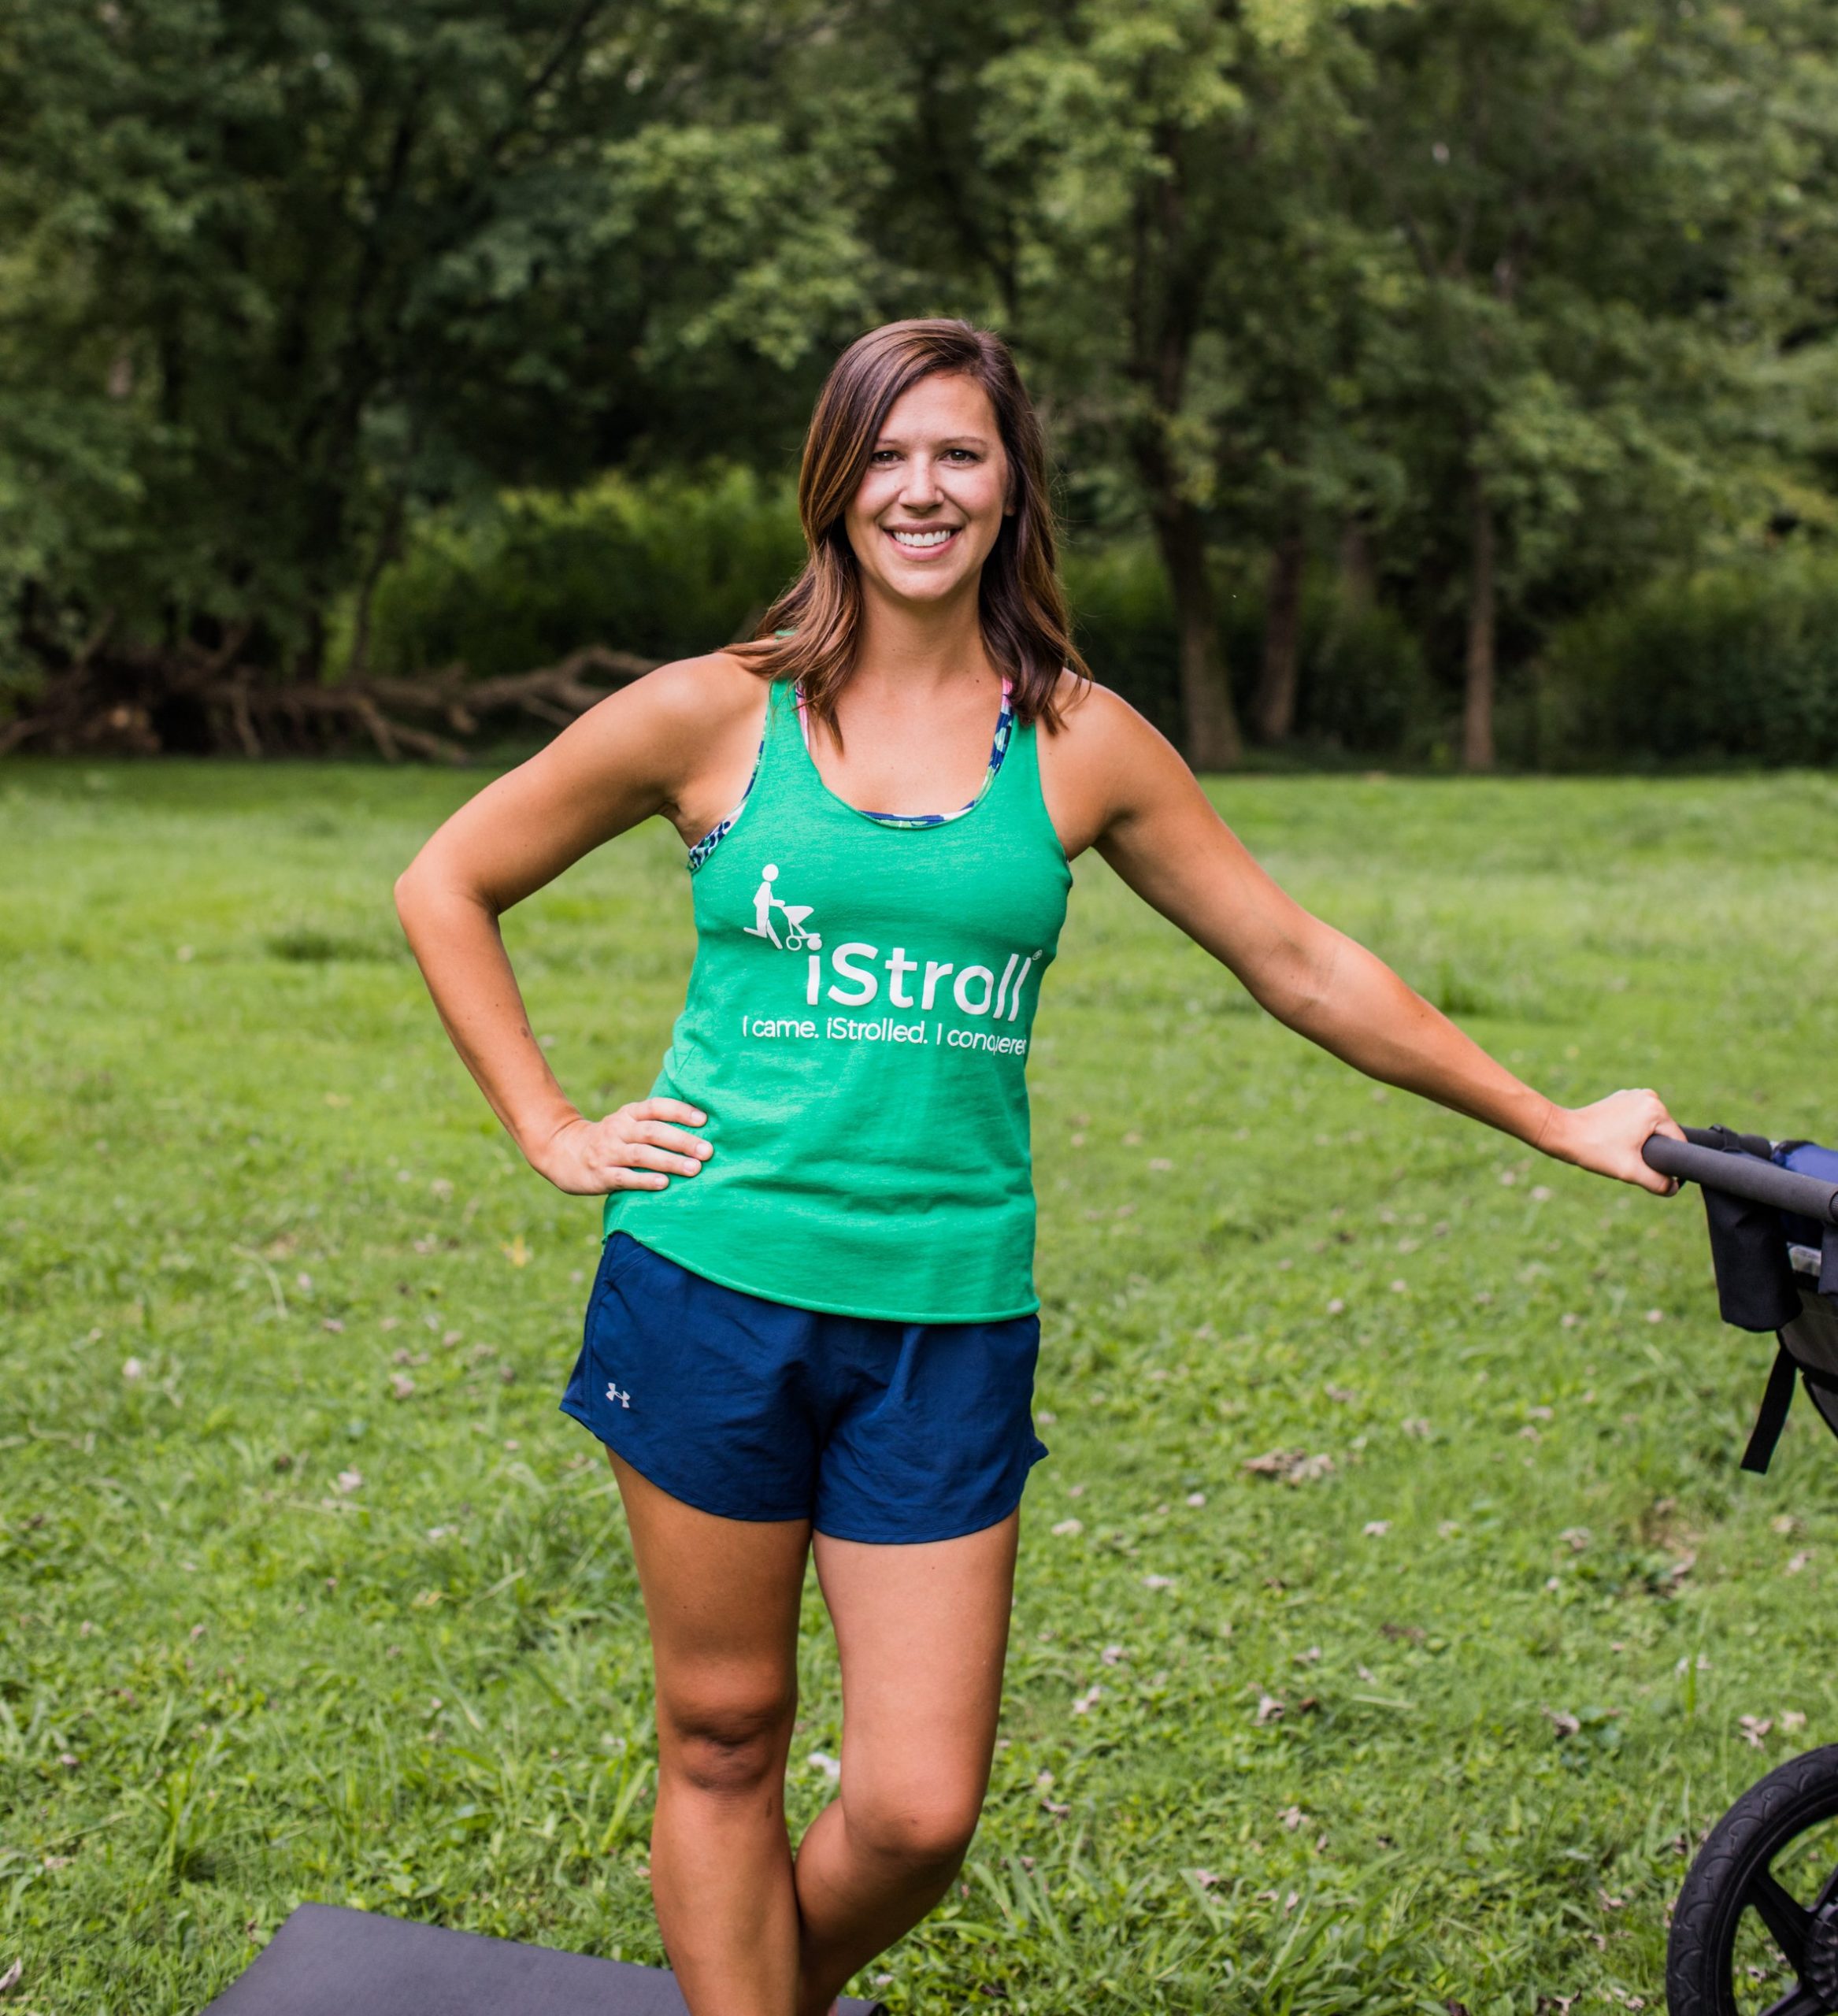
(722, 1598)
(922, 1631)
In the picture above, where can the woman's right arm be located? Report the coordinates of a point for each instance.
(670, 743)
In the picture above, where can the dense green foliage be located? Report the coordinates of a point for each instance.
(675, 566)
(1744, 664)
(273, 276)
(1502, 306)
(310, 1591)
(667, 566)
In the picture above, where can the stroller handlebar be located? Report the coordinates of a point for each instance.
(1744, 1176)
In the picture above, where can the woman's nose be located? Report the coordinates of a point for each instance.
(921, 487)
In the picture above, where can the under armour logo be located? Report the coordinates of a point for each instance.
(613, 1393)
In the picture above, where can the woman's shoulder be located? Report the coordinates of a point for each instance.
(693, 727)
(1092, 724)
(686, 729)
(713, 691)
(1102, 758)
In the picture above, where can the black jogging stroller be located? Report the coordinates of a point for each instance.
(1755, 1932)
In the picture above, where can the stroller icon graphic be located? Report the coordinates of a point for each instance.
(766, 900)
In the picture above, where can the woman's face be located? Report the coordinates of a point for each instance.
(934, 492)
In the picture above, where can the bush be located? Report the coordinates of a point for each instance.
(1123, 622)
(667, 567)
(1365, 687)
(1738, 664)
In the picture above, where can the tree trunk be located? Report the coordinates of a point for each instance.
(1273, 710)
(388, 548)
(1478, 700)
(1359, 575)
(309, 661)
(1211, 726)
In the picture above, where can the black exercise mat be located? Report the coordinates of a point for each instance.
(329, 1962)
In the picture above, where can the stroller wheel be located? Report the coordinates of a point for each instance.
(1743, 1942)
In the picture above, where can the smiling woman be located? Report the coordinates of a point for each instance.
(925, 470)
(814, 1328)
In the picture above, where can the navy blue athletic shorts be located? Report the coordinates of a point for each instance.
(875, 1431)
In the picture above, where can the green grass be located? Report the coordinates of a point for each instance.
(244, 1186)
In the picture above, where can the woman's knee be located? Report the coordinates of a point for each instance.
(728, 1741)
(925, 1827)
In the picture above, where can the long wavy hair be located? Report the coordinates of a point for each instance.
(812, 632)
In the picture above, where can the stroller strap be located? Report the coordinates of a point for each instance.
(1777, 1402)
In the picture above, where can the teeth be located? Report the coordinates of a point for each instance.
(922, 538)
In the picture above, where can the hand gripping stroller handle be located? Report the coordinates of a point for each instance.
(1744, 1176)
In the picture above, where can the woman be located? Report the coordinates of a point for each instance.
(814, 1324)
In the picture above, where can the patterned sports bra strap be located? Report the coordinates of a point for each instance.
(1008, 688)
(999, 748)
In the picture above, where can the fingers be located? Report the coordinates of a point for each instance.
(595, 1175)
(617, 1163)
(655, 1144)
(1654, 1119)
(685, 1116)
(642, 1146)
(1608, 1137)
(1660, 1122)
(658, 1135)
(648, 1154)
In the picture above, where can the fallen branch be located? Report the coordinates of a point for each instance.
(131, 700)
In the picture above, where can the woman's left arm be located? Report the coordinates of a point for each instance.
(1144, 810)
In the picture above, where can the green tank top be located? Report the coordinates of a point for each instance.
(857, 1030)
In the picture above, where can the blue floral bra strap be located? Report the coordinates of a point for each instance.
(1004, 728)
(722, 827)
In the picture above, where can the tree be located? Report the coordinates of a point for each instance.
(277, 277)
(1517, 300)
(1134, 139)
(1577, 195)
(1141, 189)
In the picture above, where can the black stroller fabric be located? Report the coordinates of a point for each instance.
(1758, 1288)
(328, 1961)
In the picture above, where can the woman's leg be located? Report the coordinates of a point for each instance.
(922, 1631)
(722, 1597)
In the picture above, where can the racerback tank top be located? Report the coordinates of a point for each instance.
(857, 1030)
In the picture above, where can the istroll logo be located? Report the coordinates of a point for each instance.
(766, 900)
(854, 974)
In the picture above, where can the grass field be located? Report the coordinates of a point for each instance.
(307, 1590)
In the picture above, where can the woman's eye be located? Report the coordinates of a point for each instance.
(882, 456)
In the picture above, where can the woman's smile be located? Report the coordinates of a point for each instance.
(926, 538)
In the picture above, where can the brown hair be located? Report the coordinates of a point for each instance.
(811, 632)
